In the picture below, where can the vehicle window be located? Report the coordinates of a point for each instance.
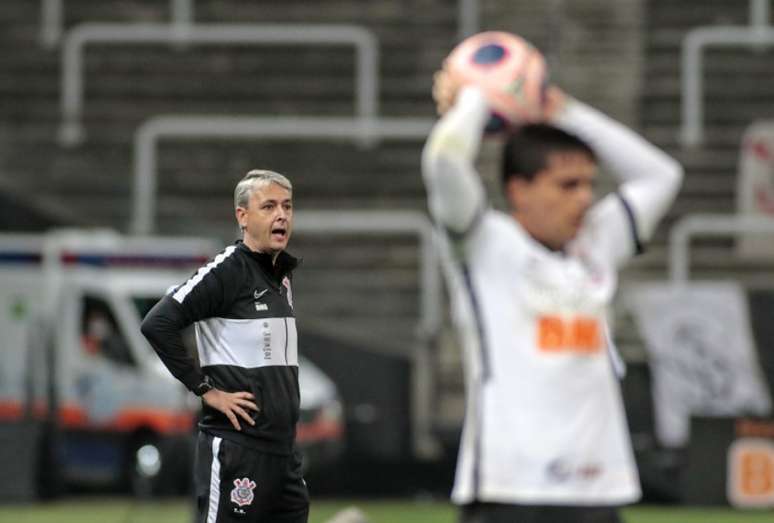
(100, 334)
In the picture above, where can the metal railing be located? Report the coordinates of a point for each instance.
(52, 14)
(757, 33)
(468, 18)
(357, 130)
(366, 90)
(375, 223)
(694, 225)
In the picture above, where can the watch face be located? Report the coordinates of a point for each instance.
(203, 388)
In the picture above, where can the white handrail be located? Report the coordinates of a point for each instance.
(759, 13)
(183, 14)
(52, 14)
(381, 223)
(357, 130)
(50, 22)
(694, 225)
(366, 45)
(468, 18)
(758, 33)
(430, 295)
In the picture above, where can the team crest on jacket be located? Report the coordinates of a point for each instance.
(286, 283)
(242, 494)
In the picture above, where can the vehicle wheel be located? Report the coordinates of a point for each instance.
(145, 467)
(49, 480)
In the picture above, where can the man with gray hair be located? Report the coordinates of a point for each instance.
(241, 306)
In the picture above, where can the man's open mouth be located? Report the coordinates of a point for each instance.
(280, 232)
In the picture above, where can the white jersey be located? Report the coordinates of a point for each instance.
(545, 422)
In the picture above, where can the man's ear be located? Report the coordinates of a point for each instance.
(241, 217)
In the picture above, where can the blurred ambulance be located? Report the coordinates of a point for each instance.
(85, 393)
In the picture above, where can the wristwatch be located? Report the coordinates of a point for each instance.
(203, 387)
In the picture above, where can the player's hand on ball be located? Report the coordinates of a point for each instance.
(556, 99)
(445, 89)
(511, 73)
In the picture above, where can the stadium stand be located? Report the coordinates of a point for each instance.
(358, 288)
(621, 56)
(737, 90)
(127, 84)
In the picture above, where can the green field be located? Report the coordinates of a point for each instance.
(102, 510)
(123, 511)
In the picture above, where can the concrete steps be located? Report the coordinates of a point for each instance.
(127, 84)
(738, 84)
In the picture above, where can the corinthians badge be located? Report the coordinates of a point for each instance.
(242, 494)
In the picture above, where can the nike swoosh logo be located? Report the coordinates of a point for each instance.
(257, 295)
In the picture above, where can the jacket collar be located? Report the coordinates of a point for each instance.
(284, 265)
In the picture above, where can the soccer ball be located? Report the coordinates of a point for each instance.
(510, 71)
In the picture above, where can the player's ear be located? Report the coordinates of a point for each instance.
(514, 190)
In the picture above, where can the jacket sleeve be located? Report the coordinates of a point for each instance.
(163, 327)
(206, 294)
(456, 195)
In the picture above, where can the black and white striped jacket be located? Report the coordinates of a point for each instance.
(241, 306)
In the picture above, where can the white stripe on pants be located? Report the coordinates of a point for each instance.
(212, 511)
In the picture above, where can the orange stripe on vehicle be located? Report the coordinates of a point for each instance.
(159, 420)
(317, 430)
(14, 410)
(10, 410)
(74, 416)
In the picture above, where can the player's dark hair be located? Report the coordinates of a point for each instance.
(527, 150)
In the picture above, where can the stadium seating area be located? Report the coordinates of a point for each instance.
(738, 83)
(126, 84)
(621, 56)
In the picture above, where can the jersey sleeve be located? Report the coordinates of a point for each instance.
(204, 295)
(456, 195)
(649, 180)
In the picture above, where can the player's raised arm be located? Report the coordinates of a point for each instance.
(490, 81)
(455, 192)
(649, 178)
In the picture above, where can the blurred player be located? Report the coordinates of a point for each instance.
(545, 436)
(242, 307)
